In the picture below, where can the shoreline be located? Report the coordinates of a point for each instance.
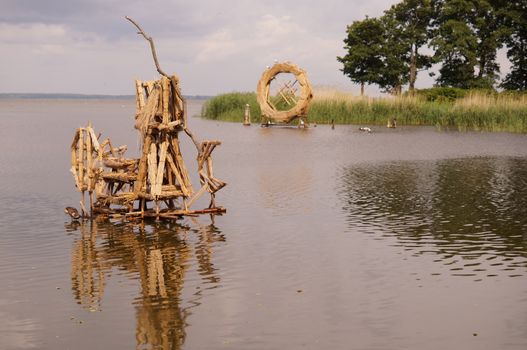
(476, 112)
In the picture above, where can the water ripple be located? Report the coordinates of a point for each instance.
(471, 212)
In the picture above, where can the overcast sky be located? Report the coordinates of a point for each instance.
(86, 46)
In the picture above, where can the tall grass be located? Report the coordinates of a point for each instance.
(231, 107)
(475, 111)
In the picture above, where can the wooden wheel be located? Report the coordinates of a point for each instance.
(299, 109)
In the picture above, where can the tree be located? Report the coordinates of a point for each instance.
(467, 36)
(488, 26)
(410, 21)
(515, 16)
(395, 55)
(363, 44)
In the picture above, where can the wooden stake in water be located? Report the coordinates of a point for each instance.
(247, 115)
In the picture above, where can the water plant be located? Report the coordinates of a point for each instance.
(468, 110)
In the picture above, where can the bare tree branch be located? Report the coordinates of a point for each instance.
(152, 46)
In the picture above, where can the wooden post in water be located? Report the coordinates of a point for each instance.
(247, 115)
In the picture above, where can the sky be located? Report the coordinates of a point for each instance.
(87, 47)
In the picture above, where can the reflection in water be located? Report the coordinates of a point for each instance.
(470, 213)
(159, 256)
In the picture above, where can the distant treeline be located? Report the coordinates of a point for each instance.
(45, 96)
(59, 96)
(461, 36)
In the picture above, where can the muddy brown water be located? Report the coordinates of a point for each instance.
(404, 238)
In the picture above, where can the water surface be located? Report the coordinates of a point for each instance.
(404, 238)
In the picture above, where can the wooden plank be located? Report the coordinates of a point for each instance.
(160, 168)
(197, 195)
(209, 166)
(94, 140)
(165, 88)
(80, 160)
(180, 163)
(142, 171)
(140, 96)
(152, 166)
(89, 160)
(179, 179)
(119, 163)
(122, 177)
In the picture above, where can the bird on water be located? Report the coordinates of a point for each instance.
(365, 128)
(72, 212)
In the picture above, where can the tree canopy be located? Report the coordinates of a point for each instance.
(464, 37)
(362, 63)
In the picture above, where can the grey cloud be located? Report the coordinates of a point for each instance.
(192, 38)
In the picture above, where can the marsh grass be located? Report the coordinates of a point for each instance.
(475, 111)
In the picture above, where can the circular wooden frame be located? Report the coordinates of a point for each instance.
(262, 93)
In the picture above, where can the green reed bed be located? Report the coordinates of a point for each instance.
(230, 107)
(481, 112)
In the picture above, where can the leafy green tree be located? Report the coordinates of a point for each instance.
(515, 15)
(410, 21)
(395, 54)
(466, 39)
(362, 62)
(488, 26)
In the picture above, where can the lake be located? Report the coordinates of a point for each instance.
(405, 238)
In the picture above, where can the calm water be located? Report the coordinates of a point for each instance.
(405, 238)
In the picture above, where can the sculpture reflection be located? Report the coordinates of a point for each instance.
(159, 256)
(471, 212)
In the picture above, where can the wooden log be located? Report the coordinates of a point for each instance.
(178, 101)
(180, 163)
(121, 198)
(120, 163)
(142, 171)
(123, 177)
(169, 188)
(162, 196)
(161, 167)
(94, 139)
(146, 116)
(152, 166)
(89, 160)
(197, 195)
(140, 96)
(80, 159)
(169, 127)
(179, 178)
(209, 167)
(176, 213)
(165, 88)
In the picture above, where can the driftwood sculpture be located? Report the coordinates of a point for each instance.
(300, 104)
(119, 186)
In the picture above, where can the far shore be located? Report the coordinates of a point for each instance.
(63, 96)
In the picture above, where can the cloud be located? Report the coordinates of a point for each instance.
(268, 33)
(87, 46)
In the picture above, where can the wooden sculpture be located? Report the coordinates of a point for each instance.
(124, 187)
(300, 104)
